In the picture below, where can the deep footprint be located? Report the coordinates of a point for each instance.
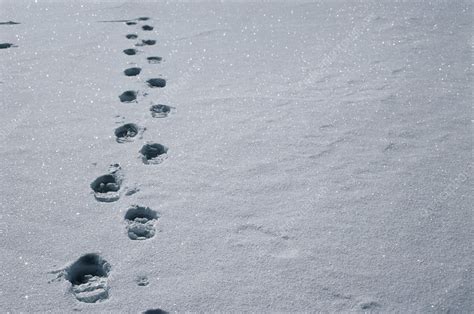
(107, 187)
(160, 111)
(131, 23)
(153, 153)
(154, 59)
(148, 42)
(128, 96)
(88, 277)
(9, 23)
(132, 71)
(132, 36)
(155, 311)
(147, 28)
(156, 82)
(140, 222)
(130, 52)
(7, 45)
(127, 132)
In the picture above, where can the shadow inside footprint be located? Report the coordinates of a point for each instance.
(132, 36)
(154, 59)
(107, 187)
(128, 96)
(143, 18)
(7, 45)
(88, 276)
(148, 42)
(155, 311)
(140, 222)
(126, 132)
(130, 51)
(132, 71)
(153, 153)
(160, 111)
(147, 28)
(131, 23)
(156, 82)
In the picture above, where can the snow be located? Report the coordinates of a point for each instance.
(313, 156)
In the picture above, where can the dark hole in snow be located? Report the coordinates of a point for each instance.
(130, 52)
(147, 28)
(149, 42)
(106, 183)
(126, 131)
(132, 71)
(128, 96)
(154, 59)
(155, 311)
(88, 265)
(132, 36)
(141, 212)
(7, 45)
(150, 151)
(156, 82)
(160, 111)
(131, 23)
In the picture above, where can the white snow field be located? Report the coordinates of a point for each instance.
(299, 156)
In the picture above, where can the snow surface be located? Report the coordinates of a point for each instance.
(318, 156)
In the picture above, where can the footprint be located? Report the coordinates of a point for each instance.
(155, 311)
(160, 111)
(128, 96)
(140, 222)
(153, 153)
(131, 23)
(130, 51)
(127, 132)
(132, 71)
(107, 187)
(88, 277)
(154, 59)
(147, 42)
(7, 45)
(156, 82)
(132, 36)
(147, 28)
(142, 281)
(9, 23)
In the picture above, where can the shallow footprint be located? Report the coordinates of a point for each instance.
(130, 52)
(156, 82)
(127, 132)
(132, 71)
(154, 59)
(107, 187)
(147, 28)
(88, 277)
(128, 96)
(132, 36)
(153, 153)
(160, 111)
(140, 222)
